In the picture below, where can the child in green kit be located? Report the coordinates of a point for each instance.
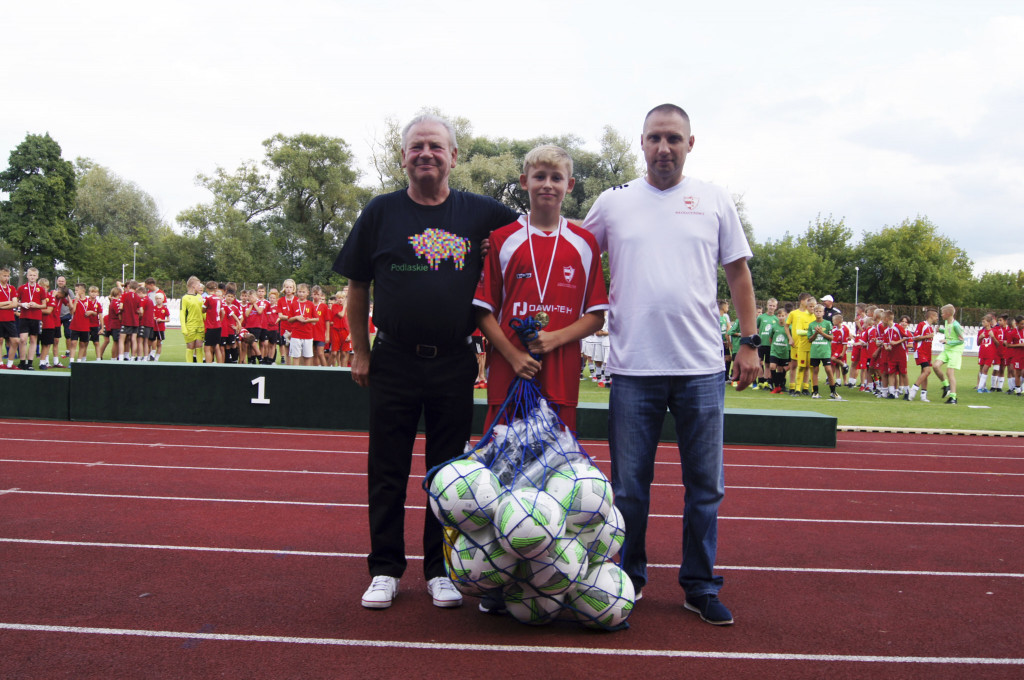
(819, 332)
(778, 355)
(952, 354)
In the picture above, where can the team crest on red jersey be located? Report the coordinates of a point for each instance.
(568, 271)
(691, 202)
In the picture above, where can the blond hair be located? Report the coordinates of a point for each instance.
(547, 154)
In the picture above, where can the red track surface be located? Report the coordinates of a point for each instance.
(167, 552)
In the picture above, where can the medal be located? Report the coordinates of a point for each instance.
(542, 319)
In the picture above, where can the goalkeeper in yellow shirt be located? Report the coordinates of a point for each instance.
(796, 329)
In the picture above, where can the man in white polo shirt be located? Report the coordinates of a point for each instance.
(666, 235)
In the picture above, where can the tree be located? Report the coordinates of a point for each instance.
(35, 220)
(785, 268)
(913, 264)
(110, 214)
(318, 195)
(998, 290)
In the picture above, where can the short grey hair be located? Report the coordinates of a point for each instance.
(429, 118)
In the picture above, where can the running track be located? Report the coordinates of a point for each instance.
(170, 552)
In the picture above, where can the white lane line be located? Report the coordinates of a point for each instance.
(193, 468)
(882, 470)
(198, 448)
(189, 499)
(360, 556)
(190, 468)
(900, 454)
(518, 649)
(879, 491)
(234, 431)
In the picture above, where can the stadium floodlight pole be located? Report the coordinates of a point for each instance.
(135, 247)
(856, 287)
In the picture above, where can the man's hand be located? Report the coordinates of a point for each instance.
(360, 368)
(746, 367)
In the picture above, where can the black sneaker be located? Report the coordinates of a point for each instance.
(710, 609)
(906, 396)
(493, 604)
(951, 400)
(945, 391)
(806, 393)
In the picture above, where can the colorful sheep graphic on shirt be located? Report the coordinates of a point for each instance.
(437, 244)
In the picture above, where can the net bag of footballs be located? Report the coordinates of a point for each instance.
(531, 520)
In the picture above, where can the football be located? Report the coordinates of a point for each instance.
(529, 521)
(603, 598)
(464, 494)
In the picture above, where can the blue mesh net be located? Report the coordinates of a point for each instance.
(531, 522)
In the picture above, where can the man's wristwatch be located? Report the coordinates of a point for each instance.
(752, 340)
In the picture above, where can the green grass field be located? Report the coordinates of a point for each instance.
(993, 411)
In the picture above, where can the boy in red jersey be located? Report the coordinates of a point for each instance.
(94, 306)
(539, 263)
(988, 355)
(80, 314)
(841, 338)
(8, 321)
(999, 333)
(129, 322)
(284, 308)
(51, 319)
(111, 324)
(231, 322)
(214, 311)
(322, 327)
(30, 325)
(896, 358)
(339, 331)
(271, 328)
(147, 325)
(863, 341)
(160, 315)
(922, 339)
(302, 317)
(252, 325)
(1014, 343)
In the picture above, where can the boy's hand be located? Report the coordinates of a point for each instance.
(524, 365)
(544, 343)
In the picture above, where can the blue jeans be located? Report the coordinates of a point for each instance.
(636, 414)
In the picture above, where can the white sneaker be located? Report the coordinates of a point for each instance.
(381, 592)
(925, 399)
(444, 593)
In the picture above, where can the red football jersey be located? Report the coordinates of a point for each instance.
(232, 314)
(284, 306)
(527, 271)
(94, 305)
(147, 305)
(986, 344)
(302, 331)
(7, 294)
(213, 306)
(113, 318)
(160, 316)
(924, 347)
(27, 293)
(79, 321)
(320, 327)
(840, 338)
(51, 320)
(129, 309)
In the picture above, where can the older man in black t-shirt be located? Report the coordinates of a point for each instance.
(421, 248)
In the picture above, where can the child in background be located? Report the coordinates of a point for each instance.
(193, 327)
(96, 307)
(841, 338)
(765, 323)
(80, 313)
(30, 324)
(999, 333)
(51, 319)
(988, 355)
(896, 358)
(778, 356)
(1014, 343)
(302, 319)
(952, 354)
(922, 338)
(231, 322)
(213, 310)
(800, 345)
(252, 324)
(547, 245)
(863, 342)
(734, 340)
(271, 328)
(129, 322)
(725, 322)
(340, 344)
(111, 325)
(8, 320)
(284, 312)
(819, 333)
(160, 315)
(322, 327)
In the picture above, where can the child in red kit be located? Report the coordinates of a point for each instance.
(541, 263)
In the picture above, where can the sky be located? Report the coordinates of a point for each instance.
(873, 112)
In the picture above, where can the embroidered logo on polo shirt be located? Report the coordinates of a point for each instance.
(437, 245)
(568, 271)
(691, 202)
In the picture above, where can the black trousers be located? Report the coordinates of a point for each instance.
(402, 387)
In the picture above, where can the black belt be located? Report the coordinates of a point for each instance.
(426, 351)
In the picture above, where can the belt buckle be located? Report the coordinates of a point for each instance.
(426, 351)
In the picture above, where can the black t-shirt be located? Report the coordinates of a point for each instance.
(424, 262)
(829, 313)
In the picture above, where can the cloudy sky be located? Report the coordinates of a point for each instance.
(870, 111)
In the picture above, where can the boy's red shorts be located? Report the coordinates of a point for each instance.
(897, 362)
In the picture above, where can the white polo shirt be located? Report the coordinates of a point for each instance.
(664, 249)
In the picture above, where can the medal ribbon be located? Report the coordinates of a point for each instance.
(551, 263)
